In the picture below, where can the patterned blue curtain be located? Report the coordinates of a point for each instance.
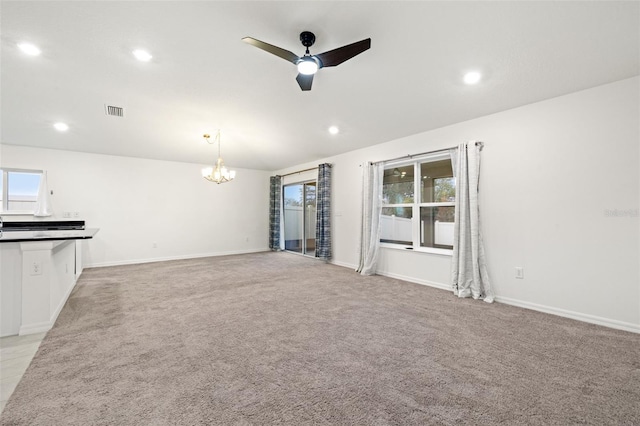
(323, 212)
(275, 197)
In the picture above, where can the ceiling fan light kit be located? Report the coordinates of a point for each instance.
(309, 64)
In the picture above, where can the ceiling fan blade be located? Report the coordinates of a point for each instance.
(275, 50)
(305, 81)
(337, 56)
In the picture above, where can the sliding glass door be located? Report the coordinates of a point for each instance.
(300, 218)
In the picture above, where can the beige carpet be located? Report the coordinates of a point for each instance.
(275, 338)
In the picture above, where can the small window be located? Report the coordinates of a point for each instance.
(419, 203)
(19, 190)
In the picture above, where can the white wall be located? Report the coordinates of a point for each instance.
(138, 202)
(550, 172)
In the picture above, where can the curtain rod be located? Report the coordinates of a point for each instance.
(409, 156)
(301, 171)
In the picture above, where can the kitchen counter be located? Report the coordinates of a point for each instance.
(40, 262)
(10, 236)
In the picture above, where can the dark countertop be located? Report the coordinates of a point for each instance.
(47, 235)
(43, 225)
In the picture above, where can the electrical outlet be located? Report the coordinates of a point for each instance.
(36, 268)
(66, 214)
(519, 272)
(76, 214)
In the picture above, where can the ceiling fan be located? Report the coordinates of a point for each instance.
(309, 64)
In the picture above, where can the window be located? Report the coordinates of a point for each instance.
(19, 190)
(419, 219)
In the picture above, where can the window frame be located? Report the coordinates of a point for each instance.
(4, 206)
(417, 203)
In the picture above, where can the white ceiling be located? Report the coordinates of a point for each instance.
(202, 77)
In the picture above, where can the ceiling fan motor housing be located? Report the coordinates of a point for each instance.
(307, 38)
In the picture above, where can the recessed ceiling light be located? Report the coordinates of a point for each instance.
(29, 49)
(142, 55)
(472, 77)
(334, 130)
(61, 127)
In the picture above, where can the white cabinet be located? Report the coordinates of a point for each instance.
(36, 278)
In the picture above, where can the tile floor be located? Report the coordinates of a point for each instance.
(16, 353)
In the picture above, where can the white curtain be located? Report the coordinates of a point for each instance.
(468, 269)
(372, 175)
(43, 207)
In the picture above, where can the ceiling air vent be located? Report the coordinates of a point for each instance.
(114, 111)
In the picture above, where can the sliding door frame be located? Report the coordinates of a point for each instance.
(307, 224)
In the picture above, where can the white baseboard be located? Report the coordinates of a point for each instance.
(164, 259)
(396, 276)
(415, 280)
(592, 319)
(343, 264)
(35, 328)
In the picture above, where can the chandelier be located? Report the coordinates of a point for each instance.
(219, 173)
